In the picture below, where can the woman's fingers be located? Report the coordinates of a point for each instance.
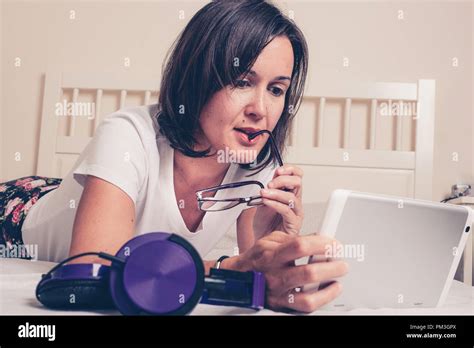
(284, 210)
(289, 169)
(278, 236)
(274, 255)
(305, 246)
(288, 176)
(305, 301)
(286, 181)
(284, 197)
(297, 276)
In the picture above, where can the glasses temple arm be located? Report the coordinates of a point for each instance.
(273, 144)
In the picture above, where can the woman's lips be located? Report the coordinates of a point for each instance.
(244, 139)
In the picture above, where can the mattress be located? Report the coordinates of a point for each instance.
(18, 279)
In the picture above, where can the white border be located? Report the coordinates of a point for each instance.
(334, 210)
(457, 258)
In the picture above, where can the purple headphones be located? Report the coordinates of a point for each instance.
(156, 273)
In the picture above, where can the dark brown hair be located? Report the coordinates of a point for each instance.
(202, 61)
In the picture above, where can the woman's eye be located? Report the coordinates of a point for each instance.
(277, 91)
(242, 83)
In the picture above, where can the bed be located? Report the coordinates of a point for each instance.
(18, 279)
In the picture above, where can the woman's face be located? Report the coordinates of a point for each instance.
(255, 104)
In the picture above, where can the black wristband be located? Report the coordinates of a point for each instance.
(219, 260)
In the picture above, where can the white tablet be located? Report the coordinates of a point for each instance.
(401, 252)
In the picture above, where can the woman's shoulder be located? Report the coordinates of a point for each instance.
(141, 116)
(140, 120)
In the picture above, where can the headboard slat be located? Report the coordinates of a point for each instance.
(98, 101)
(373, 123)
(399, 119)
(72, 120)
(147, 97)
(123, 97)
(347, 122)
(322, 104)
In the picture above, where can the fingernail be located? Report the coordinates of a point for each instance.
(270, 185)
(265, 192)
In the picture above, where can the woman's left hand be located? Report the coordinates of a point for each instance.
(282, 210)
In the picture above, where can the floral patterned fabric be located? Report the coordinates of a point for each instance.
(16, 199)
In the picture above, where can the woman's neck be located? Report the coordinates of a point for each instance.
(199, 172)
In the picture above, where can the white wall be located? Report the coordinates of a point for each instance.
(382, 47)
(379, 45)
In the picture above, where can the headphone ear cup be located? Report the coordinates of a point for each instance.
(74, 294)
(163, 275)
(117, 290)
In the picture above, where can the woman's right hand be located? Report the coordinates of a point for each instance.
(274, 255)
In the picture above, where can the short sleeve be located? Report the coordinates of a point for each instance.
(115, 154)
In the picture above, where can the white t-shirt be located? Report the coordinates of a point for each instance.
(128, 151)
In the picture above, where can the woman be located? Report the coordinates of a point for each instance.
(238, 67)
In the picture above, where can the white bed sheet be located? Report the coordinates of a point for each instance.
(18, 279)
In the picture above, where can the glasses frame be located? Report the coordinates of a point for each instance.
(201, 200)
(248, 200)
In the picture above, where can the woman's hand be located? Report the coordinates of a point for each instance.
(274, 256)
(282, 210)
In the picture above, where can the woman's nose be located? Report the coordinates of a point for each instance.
(257, 105)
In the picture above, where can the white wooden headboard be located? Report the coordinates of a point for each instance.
(341, 136)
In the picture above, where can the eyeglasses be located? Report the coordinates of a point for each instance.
(276, 153)
(250, 190)
(234, 190)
